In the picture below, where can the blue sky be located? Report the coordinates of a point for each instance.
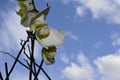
(91, 50)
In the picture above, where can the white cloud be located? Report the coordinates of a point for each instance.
(13, 1)
(117, 52)
(19, 76)
(23, 76)
(116, 39)
(11, 31)
(109, 66)
(80, 11)
(71, 35)
(65, 1)
(105, 9)
(64, 59)
(98, 44)
(83, 60)
(77, 72)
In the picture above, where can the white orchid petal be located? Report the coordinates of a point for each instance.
(55, 38)
(41, 18)
(30, 6)
(28, 21)
(46, 60)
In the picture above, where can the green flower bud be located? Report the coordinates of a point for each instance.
(48, 55)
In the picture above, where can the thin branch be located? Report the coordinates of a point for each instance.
(39, 69)
(19, 61)
(15, 59)
(21, 43)
(18, 57)
(1, 78)
(27, 62)
(32, 55)
(34, 65)
(32, 61)
(29, 49)
(46, 73)
(26, 54)
(35, 74)
(6, 68)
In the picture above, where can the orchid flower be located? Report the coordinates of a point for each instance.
(27, 11)
(48, 55)
(46, 36)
